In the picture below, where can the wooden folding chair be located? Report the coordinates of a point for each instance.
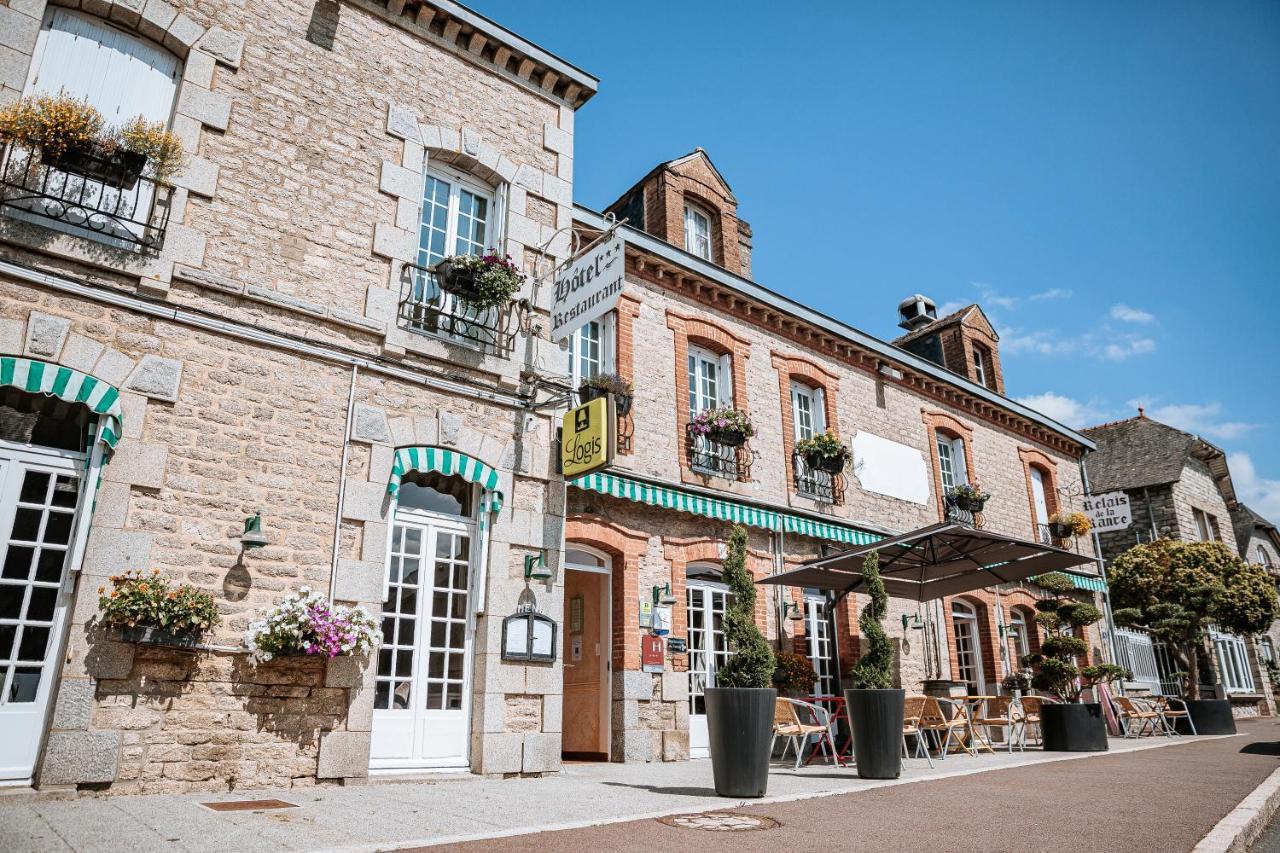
(912, 711)
(1001, 713)
(1169, 715)
(1136, 718)
(787, 724)
(943, 727)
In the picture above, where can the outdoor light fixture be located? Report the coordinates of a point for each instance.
(535, 567)
(253, 537)
(912, 622)
(662, 595)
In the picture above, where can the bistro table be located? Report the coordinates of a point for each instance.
(836, 705)
(972, 709)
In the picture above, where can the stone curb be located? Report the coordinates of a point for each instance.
(1236, 832)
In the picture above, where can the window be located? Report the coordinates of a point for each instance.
(1206, 525)
(808, 411)
(1264, 559)
(818, 636)
(980, 365)
(697, 232)
(964, 622)
(710, 380)
(951, 462)
(591, 350)
(456, 217)
(1267, 649)
(1233, 662)
(1019, 642)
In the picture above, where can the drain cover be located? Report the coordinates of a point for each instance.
(720, 822)
(248, 805)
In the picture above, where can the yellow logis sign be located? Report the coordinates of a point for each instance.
(587, 438)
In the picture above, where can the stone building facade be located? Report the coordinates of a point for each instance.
(1179, 487)
(692, 330)
(263, 337)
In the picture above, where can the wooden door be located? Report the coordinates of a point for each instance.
(586, 673)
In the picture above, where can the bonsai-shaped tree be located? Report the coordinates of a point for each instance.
(1055, 664)
(1176, 590)
(751, 661)
(874, 670)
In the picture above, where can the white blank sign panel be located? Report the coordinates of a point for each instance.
(889, 468)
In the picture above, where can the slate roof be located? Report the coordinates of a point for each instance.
(941, 323)
(1142, 452)
(1244, 521)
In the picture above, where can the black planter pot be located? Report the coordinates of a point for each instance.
(728, 437)
(153, 636)
(739, 728)
(461, 283)
(1211, 717)
(969, 504)
(1061, 531)
(828, 464)
(621, 402)
(877, 731)
(122, 169)
(1073, 727)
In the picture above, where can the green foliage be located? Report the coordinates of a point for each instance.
(151, 601)
(1064, 645)
(794, 672)
(874, 670)
(1055, 582)
(1061, 617)
(751, 661)
(825, 445)
(1176, 590)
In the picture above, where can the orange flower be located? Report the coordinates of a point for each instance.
(143, 587)
(101, 590)
(114, 593)
(155, 571)
(172, 595)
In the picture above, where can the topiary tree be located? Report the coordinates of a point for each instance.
(874, 670)
(1055, 664)
(750, 663)
(1175, 590)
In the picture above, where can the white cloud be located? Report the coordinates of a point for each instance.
(1127, 348)
(1127, 314)
(991, 296)
(1040, 342)
(1204, 419)
(1052, 293)
(948, 308)
(1262, 495)
(1066, 410)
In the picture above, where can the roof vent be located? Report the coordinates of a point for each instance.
(916, 312)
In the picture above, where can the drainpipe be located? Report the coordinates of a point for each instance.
(342, 482)
(1102, 566)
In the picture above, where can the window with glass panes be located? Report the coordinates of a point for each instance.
(1233, 663)
(591, 350)
(706, 390)
(951, 462)
(455, 218)
(697, 232)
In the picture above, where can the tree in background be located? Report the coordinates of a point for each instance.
(1055, 666)
(750, 663)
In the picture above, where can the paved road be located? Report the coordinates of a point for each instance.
(1269, 841)
(1162, 800)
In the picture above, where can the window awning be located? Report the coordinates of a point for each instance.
(1093, 583)
(450, 463)
(668, 497)
(72, 386)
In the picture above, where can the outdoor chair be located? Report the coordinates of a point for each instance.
(944, 726)
(912, 711)
(1002, 712)
(1030, 706)
(1136, 717)
(1169, 715)
(787, 723)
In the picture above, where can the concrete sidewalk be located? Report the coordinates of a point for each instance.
(388, 815)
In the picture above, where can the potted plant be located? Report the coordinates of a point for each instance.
(149, 148)
(1071, 725)
(1064, 525)
(1175, 591)
(875, 708)
(1016, 683)
(740, 705)
(824, 452)
(150, 609)
(484, 281)
(968, 497)
(306, 623)
(728, 426)
(604, 384)
(793, 674)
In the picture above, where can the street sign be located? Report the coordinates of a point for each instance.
(1108, 511)
(588, 287)
(587, 438)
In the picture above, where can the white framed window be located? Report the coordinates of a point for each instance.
(808, 411)
(1019, 639)
(980, 366)
(697, 232)
(592, 349)
(1264, 559)
(458, 216)
(1206, 526)
(964, 624)
(951, 462)
(1038, 496)
(1233, 662)
(710, 380)
(1267, 648)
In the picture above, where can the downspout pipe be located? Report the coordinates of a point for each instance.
(342, 482)
(1102, 566)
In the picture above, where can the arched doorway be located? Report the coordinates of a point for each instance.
(706, 596)
(964, 625)
(586, 654)
(422, 696)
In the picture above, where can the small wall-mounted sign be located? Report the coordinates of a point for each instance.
(575, 614)
(529, 635)
(646, 614)
(661, 623)
(677, 645)
(651, 657)
(588, 438)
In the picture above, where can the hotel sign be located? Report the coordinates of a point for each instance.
(587, 438)
(1108, 511)
(588, 287)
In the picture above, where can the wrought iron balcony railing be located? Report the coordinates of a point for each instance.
(98, 200)
(428, 308)
(817, 484)
(1044, 536)
(964, 516)
(719, 460)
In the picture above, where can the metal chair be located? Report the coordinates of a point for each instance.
(1136, 717)
(1002, 712)
(912, 711)
(1169, 714)
(788, 724)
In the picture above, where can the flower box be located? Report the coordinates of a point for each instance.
(594, 388)
(1061, 530)
(456, 280)
(818, 461)
(969, 504)
(153, 635)
(122, 169)
(728, 437)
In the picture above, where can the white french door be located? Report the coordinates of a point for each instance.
(39, 494)
(818, 633)
(422, 701)
(708, 651)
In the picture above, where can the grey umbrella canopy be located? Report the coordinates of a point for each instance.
(942, 559)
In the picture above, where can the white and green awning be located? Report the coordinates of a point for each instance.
(1086, 582)
(450, 463)
(667, 497)
(72, 386)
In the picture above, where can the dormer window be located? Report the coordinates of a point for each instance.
(697, 232)
(981, 366)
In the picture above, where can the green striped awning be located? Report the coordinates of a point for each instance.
(39, 377)
(1086, 582)
(450, 463)
(667, 497)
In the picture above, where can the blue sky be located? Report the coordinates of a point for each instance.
(1102, 177)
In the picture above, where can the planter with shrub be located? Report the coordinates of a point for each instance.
(968, 497)
(793, 674)
(728, 426)
(482, 281)
(1065, 525)
(150, 609)
(740, 706)
(1016, 683)
(605, 384)
(876, 709)
(824, 452)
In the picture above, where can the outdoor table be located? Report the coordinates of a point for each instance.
(838, 710)
(972, 705)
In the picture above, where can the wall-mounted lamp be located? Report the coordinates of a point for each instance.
(792, 611)
(912, 622)
(535, 567)
(253, 537)
(662, 595)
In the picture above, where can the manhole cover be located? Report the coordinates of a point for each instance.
(248, 805)
(720, 822)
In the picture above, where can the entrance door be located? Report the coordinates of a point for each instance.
(818, 632)
(586, 657)
(39, 494)
(708, 651)
(422, 700)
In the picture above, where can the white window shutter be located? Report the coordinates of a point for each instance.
(609, 343)
(724, 382)
(958, 461)
(819, 410)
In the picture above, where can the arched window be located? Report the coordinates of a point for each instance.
(1018, 632)
(1040, 492)
(964, 624)
(586, 559)
(1264, 559)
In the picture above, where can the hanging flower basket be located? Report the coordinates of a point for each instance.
(605, 384)
(729, 427)
(1061, 530)
(483, 281)
(969, 497)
